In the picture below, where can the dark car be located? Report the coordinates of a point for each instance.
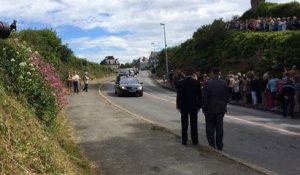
(128, 86)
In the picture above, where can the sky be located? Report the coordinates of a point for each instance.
(125, 29)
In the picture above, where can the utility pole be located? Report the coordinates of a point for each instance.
(167, 66)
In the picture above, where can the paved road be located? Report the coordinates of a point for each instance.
(259, 137)
(119, 144)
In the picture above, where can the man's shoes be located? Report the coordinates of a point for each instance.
(220, 148)
(274, 109)
(184, 143)
(195, 143)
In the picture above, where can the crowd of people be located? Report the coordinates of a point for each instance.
(74, 81)
(212, 94)
(267, 90)
(279, 93)
(265, 24)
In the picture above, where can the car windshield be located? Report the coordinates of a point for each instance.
(129, 81)
(122, 74)
(123, 71)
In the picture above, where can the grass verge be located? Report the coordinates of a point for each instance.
(28, 147)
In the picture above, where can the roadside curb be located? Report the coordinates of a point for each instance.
(143, 119)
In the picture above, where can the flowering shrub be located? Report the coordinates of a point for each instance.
(31, 80)
(48, 73)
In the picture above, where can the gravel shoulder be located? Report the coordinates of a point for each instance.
(121, 144)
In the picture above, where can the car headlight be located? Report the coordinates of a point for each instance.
(140, 88)
(122, 87)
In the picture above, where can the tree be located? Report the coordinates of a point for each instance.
(65, 53)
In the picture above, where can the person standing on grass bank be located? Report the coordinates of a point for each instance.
(85, 81)
(189, 102)
(13, 26)
(214, 106)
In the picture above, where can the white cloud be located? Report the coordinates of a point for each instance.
(141, 18)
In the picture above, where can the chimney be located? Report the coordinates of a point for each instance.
(255, 3)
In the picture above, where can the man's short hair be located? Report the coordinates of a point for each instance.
(215, 71)
(189, 70)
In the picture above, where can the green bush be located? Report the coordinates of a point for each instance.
(273, 10)
(23, 81)
(213, 45)
(264, 51)
(65, 53)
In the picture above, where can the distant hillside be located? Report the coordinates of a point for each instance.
(233, 50)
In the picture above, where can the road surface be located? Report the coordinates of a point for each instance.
(119, 143)
(260, 137)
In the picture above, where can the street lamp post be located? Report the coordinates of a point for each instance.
(154, 56)
(167, 67)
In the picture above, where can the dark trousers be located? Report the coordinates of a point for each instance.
(75, 85)
(248, 96)
(237, 96)
(85, 87)
(290, 102)
(259, 97)
(214, 130)
(231, 93)
(185, 123)
(274, 94)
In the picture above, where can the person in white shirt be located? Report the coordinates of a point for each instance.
(86, 81)
(75, 79)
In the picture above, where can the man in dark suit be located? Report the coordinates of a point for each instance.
(188, 102)
(215, 99)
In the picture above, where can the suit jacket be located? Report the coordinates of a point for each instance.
(215, 96)
(189, 94)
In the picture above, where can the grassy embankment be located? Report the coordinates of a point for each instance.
(27, 147)
(34, 135)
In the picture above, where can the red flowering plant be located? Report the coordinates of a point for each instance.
(47, 71)
(31, 80)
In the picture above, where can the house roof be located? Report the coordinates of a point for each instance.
(109, 60)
